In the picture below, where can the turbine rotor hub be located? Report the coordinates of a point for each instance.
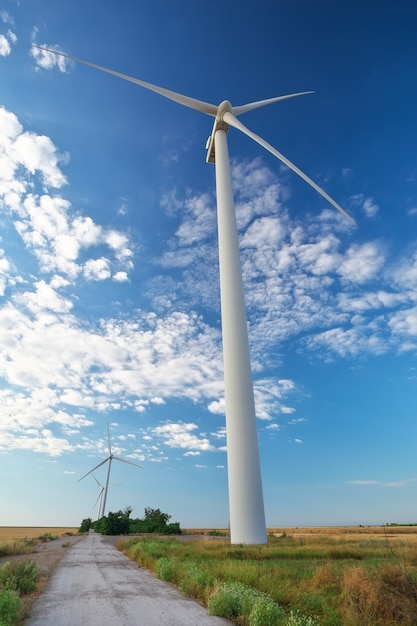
(223, 108)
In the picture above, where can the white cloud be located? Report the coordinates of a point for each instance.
(47, 224)
(368, 205)
(120, 277)
(12, 36)
(48, 60)
(38, 154)
(6, 18)
(404, 322)
(181, 435)
(5, 48)
(377, 483)
(199, 221)
(97, 269)
(263, 232)
(362, 262)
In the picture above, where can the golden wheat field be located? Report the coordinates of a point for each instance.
(13, 533)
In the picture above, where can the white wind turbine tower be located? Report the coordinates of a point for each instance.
(109, 459)
(100, 496)
(246, 506)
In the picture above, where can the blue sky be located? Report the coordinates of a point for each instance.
(109, 295)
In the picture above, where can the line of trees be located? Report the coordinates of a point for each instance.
(120, 523)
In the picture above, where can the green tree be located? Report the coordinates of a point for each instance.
(86, 524)
(155, 520)
(114, 524)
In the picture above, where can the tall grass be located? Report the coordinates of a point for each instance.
(298, 580)
(17, 578)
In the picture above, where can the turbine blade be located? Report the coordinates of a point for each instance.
(94, 468)
(261, 103)
(230, 119)
(95, 480)
(99, 496)
(117, 458)
(192, 103)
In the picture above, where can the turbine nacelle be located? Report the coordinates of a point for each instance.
(219, 124)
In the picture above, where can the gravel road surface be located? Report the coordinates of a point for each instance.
(96, 585)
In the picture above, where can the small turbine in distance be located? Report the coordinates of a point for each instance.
(247, 514)
(100, 496)
(109, 459)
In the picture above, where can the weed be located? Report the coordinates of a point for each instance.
(11, 548)
(19, 576)
(227, 600)
(46, 537)
(165, 569)
(309, 574)
(11, 608)
(296, 618)
(265, 612)
(244, 604)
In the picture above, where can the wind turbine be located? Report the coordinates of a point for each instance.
(100, 496)
(246, 506)
(109, 459)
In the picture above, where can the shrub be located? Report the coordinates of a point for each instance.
(11, 608)
(265, 612)
(195, 581)
(85, 525)
(234, 600)
(19, 576)
(227, 600)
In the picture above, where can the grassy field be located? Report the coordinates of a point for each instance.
(356, 576)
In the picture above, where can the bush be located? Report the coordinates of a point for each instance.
(11, 608)
(194, 581)
(120, 523)
(227, 600)
(20, 576)
(86, 525)
(265, 612)
(234, 600)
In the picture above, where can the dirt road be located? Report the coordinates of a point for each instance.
(96, 585)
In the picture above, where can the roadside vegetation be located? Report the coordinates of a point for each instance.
(361, 577)
(15, 540)
(20, 580)
(120, 523)
(17, 579)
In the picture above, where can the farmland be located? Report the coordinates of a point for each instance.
(13, 533)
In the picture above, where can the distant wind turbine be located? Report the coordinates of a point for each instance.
(246, 506)
(100, 496)
(109, 459)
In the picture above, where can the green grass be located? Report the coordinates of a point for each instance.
(17, 579)
(294, 580)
